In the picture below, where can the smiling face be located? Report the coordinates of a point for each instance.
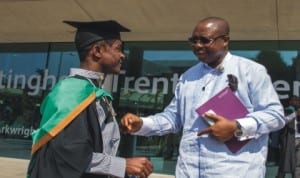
(112, 57)
(104, 56)
(210, 40)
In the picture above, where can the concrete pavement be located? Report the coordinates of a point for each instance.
(13, 168)
(16, 168)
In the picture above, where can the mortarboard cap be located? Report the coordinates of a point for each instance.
(89, 32)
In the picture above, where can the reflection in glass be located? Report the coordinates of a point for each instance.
(146, 86)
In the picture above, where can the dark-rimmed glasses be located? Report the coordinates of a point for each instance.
(204, 40)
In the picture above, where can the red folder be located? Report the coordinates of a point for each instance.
(226, 104)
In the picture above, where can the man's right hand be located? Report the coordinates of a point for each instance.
(130, 123)
(140, 167)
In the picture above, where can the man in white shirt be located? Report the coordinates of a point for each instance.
(202, 152)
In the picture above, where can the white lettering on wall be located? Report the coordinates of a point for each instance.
(19, 79)
(282, 86)
(141, 84)
(296, 86)
(162, 80)
(46, 78)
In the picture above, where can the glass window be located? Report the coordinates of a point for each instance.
(21, 80)
(27, 73)
(151, 72)
(62, 57)
(145, 86)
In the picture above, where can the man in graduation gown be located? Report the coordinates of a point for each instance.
(287, 136)
(78, 136)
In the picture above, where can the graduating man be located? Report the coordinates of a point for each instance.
(78, 136)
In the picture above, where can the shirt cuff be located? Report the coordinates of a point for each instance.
(102, 164)
(248, 127)
(290, 117)
(119, 166)
(146, 127)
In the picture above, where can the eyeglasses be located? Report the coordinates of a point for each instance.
(204, 40)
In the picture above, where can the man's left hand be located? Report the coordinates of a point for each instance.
(223, 129)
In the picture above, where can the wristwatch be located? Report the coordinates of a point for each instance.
(238, 132)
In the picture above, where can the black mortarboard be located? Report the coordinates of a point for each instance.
(89, 32)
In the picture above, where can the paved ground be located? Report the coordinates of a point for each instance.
(13, 168)
(14, 158)
(16, 168)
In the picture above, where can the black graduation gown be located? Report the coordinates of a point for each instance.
(69, 153)
(287, 161)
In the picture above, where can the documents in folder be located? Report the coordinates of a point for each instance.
(226, 104)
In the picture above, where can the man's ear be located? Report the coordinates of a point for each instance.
(226, 40)
(97, 51)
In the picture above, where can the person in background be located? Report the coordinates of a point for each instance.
(289, 140)
(297, 143)
(202, 152)
(78, 136)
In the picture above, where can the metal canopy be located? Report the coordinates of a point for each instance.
(150, 20)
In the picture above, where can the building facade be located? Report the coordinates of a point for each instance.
(35, 53)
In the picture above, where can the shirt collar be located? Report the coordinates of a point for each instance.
(226, 58)
(87, 73)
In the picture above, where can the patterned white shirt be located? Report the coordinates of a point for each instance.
(104, 163)
(205, 157)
